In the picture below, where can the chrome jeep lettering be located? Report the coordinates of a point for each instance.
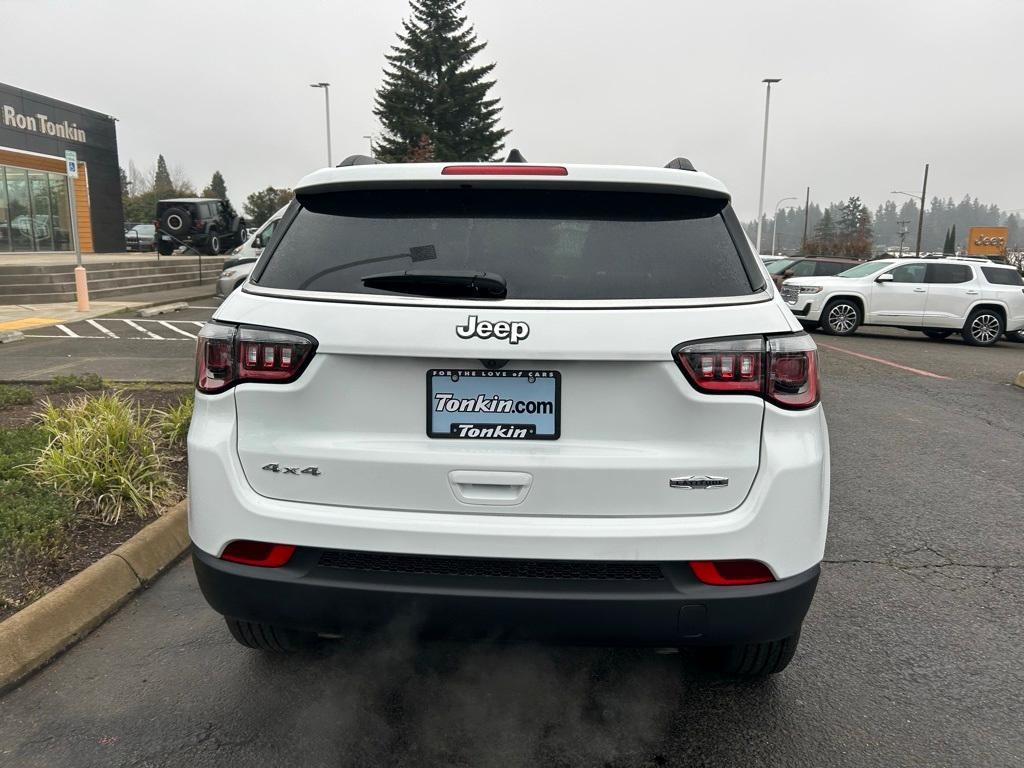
(513, 332)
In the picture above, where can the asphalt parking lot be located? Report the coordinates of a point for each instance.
(911, 653)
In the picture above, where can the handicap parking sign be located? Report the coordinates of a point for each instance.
(71, 163)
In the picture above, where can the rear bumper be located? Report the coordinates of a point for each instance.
(673, 610)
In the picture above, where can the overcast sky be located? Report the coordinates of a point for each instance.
(871, 90)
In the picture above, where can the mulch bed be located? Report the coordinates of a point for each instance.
(87, 540)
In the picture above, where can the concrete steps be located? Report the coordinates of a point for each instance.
(29, 284)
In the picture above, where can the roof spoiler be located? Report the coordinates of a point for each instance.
(359, 160)
(681, 164)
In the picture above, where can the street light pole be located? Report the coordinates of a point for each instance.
(920, 214)
(920, 218)
(775, 220)
(327, 113)
(764, 153)
(807, 208)
(370, 139)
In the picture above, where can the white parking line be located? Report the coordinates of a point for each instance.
(68, 331)
(197, 322)
(101, 329)
(176, 329)
(138, 327)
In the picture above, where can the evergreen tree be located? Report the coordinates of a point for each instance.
(431, 90)
(946, 247)
(952, 241)
(260, 206)
(162, 183)
(825, 231)
(216, 188)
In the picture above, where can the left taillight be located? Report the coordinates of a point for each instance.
(227, 355)
(781, 369)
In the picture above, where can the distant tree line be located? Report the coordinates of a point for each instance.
(844, 231)
(140, 191)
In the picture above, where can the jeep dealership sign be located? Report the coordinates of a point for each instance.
(41, 123)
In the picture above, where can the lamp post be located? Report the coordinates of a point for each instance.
(327, 113)
(920, 215)
(775, 220)
(370, 139)
(764, 153)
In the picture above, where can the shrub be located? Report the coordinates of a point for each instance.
(33, 519)
(103, 455)
(174, 421)
(74, 382)
(13, 395)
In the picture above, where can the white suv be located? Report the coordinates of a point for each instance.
(528, 401)
(977, 298)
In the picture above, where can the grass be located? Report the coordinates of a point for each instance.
(74, 382)
(174, 422)
(33, 518)
(103, 455)
(14, 395)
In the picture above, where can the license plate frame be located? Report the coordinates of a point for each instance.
(485, 422)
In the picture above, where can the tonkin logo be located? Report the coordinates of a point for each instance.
(485, 329)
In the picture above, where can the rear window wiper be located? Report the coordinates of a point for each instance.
(443, 284)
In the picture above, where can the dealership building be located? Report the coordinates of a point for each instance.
(35, 202)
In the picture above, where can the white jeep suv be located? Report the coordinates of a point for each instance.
(977, 298)
(522, 401)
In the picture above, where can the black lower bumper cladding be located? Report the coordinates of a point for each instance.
(613, 603)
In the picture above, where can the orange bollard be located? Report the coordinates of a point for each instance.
(81, 289)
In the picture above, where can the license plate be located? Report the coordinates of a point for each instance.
(493, 405)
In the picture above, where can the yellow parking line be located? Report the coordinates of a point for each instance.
(27, 322)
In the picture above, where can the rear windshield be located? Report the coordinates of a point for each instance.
(777, 267)
(999, 276)
(546, 244)
(868, 268)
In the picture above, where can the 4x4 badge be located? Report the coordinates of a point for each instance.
(499, 329)
(700, 482)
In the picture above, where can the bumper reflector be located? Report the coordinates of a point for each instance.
(731, 572)
(258, 553)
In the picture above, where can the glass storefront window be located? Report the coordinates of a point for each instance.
(20, 210)
(42, 225)
(5, 217)
(60, 210)
(35, 212)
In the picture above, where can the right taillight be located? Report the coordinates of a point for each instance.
(781, 369)
(228, 354)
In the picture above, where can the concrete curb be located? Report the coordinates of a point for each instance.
(6, 337)
(1019, 381)
(62, 617)
(162, 309)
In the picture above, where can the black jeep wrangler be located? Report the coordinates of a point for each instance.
(198, 223)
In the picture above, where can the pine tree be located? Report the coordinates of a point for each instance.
(431, 90)
(162, 183)
(952, 241)
(216, 188)
(825, 230)
(947, 249)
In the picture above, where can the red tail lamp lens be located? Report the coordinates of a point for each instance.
(511, 169)
(781, 369)
(258, 553)
(227, 355)
(731, 572)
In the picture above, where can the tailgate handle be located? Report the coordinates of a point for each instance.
(472, 486)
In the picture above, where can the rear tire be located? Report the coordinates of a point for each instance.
(938, 335)
(841, 317)
(754, 659)
(268, 637)
(984, 327)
